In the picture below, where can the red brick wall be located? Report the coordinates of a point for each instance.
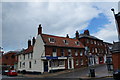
(8, 60)
(48, 51)
(116, 60)
(103, 47)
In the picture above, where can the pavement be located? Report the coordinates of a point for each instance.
(82, 73)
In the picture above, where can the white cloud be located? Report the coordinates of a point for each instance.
(108, 32)
(21, 20)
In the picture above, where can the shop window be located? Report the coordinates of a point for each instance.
(61, 63)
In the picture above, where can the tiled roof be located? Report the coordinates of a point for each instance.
(59, 41)
(28, 50)
(87, 36)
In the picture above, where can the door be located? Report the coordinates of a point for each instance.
(45, 66)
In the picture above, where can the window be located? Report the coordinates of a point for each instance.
(93, 50)
(69, 52)
(76, 61)
(62, 52)
(77, 43)
(76, 53)
(13, 56)
(61, 63)
(81, 53)
(23, 64)
(87, 40)
(106, 51)
(81, 61)
(20, 64)
(20, 56)
(94, 42)
(31, 55)
(35, 62)
(96, 50)
(30, 64)
(6, 57)
(52, 40)
(54, 52)
(98, 43)
(91, 42)
(101, 59)
(28, 55)
(65, 41)
(24, 56)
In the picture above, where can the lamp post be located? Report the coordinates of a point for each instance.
(117, 20)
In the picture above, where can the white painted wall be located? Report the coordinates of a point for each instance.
(38, 51)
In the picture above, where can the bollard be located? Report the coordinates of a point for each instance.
(92, 72)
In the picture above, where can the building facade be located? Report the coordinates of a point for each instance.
(96, 49)
(9, 60)
(49, 53)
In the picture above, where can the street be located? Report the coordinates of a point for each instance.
(76, 74)
(100, 70)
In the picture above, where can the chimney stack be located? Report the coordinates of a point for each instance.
(29, 43)
(77, 34)
(67, 36)
(33, 41)
(39, 29)
(86, 32)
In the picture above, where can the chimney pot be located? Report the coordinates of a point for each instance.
(39, 29)
(29, 43)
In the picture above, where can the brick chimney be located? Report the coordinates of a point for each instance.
(33, 41)
(39, 29)
(29, 43)
(77, 34)
(86, 32)
(67, 36)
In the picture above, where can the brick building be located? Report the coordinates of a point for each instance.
(116, 45)
(96, 48)
(9, 59)
(49, 53)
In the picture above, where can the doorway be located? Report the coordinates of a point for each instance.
(45, 66)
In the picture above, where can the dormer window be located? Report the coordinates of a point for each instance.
(77, 43)
(65, 41)
(52, 40)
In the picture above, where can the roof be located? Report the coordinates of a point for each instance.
(59, 41)
(29, 49)
(88, 36)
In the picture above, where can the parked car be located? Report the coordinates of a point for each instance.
(4, 72)
(116, 75)
(12, 73)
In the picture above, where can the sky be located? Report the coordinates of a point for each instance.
(20, 20)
